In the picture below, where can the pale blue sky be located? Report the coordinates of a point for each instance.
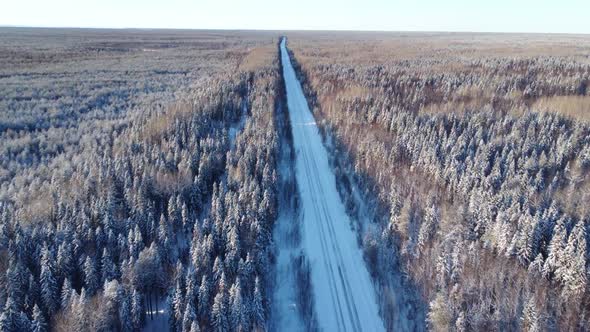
(570, 16)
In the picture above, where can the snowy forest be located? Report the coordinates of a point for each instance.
(474, 151)
(138, 177)
(150, 180)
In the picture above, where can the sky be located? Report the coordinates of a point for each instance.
(554, 16)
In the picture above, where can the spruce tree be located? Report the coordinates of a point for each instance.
(219, 313)
(91, 281)
(8, 318)
(137, 311)
(125, 318)
(204, 296)
(49, 287)
(258, 316)
(108, 268)
(66, 293)
(38, 323)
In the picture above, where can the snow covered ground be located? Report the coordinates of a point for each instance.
(159, 322)
(286, 313)
(345, 299)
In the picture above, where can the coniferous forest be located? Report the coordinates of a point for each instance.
(472, 154)
(138, 175)
(148, 178)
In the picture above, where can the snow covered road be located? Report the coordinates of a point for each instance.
(344, 296)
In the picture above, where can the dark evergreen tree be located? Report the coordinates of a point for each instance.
(38, 324)
(49, 287)
(258, 316)
(9, 317)
(204, 298)
(178, 304)
(237, 309)
(65, 265)
(66, 294)
(16, 277)
(137, 311)
(219, 313)
(108, 268)
(91, 280)
(125, 317)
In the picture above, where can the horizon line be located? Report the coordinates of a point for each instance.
(295, 30)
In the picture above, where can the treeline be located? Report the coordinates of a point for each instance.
(486, 199)
(165, 210)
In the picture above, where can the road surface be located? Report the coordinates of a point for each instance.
(344, 298)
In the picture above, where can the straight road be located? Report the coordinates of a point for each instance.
(344, 295)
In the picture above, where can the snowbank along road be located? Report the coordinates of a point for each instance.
(343, 291)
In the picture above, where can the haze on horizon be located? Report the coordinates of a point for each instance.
(568, 16)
